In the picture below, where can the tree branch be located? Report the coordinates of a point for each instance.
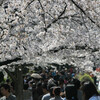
(1, 2)
(84, 22)
(84, 13)
(29, 4)
(56, 49)
(49, 14)
(55, 20)
(43, 15)
(63, 11)
(77, 47)
(9, 61)
(24, 64)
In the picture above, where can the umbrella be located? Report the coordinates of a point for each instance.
(36, 75)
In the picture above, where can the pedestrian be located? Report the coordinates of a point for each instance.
(89, 91)
(5, 90)
(56, 92)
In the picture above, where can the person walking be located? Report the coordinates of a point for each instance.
(89, 91)
(5, 90)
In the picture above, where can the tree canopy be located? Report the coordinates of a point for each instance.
(50, 31)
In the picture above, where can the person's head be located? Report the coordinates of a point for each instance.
(5, 89)
(71, 92)
(50, 89)
(25, 86)
(89, 90)
(77, 83)
(31, 84)
(39, 84)
(56, 91)
(25, 77)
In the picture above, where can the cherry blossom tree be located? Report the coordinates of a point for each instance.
(47, 31)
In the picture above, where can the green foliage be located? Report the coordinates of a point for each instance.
(99, 91)
(86, 77)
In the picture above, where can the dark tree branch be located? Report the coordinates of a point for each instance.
(1, 36)
(50, 15)
(55, 20)
(1, 2)
(64, 17)
(41, 5)
(72, 16)
(30, 9)
(63, 11)
(84, 22)
(9, 61)
(29, 4)
(78, 21)
(56, 49)
(84, 13)
(43, 15)
(77, 47)
(1, 28)
(24, 64)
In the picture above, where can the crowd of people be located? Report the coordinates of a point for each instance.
(53, 85)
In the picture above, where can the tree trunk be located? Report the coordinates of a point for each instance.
(18, 81)
(19, 84)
